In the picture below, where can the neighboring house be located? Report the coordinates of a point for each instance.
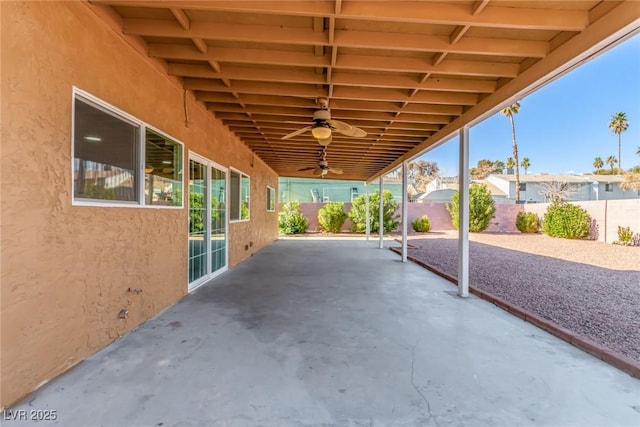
(318, 190)
(497, 193)
(443, 195)
(442, 183)
(581, 187)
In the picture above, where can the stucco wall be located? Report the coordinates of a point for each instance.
(66, 269)
(504, 219)
(607, 214)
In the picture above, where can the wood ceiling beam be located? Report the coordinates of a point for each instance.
(398, 95)
(458, 14)
(224, 31)
(343, 38)
(265, 88)
(434, 43)
(240, 56)
(250, 99)
(415, 65)
(235, 73)
(396, 11)
(411, 82)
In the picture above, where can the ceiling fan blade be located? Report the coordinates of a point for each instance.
(317, 172)
(347, 129)
(307, 169)
(296, 133)
(337, 171)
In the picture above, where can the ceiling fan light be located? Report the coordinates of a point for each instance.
(321, 132)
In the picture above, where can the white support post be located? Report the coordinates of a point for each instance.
(381, 216)
(368, 214)
(405, 209)
(463, 228)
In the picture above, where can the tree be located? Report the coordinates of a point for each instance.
(556, 191)
(598, 163)
(421, 173)
(638, 151)
(358, 215)
(481, 208)
(486, 167)
(525, 164)
(611, 161)
(617, 125)
(509, 112)
(510, 163)
(631, 180)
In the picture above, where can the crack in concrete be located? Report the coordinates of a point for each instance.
(415, 387)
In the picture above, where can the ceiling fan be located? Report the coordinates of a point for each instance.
(323, 126)
(323, 167)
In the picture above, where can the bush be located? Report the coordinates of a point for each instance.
(332, 217)
(481, 208)
(291, 220)
(563, 219)
(527, 222)
(421, 224)
(625, 236)
(358, 212)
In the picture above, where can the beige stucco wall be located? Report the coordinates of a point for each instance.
(66, 269)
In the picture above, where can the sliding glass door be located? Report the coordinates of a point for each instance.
(207, 220)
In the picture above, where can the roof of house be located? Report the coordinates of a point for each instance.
(560, 178)
(493, 189)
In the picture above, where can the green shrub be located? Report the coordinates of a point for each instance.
(421, 224)
(563, 219)
(528, 222)
(625, 236)
(332, 217)
(481, 208)
(358, 212)
(291, 220)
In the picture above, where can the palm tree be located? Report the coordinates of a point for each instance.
(510, 163)
(617, 125)
(638, 151)
(509, 112)
(611, 161)
(525, 164)
(598, 163)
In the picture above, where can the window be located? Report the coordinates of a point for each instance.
(608, 187)
(271, 199)
(118, 160)
(239, 198)
(163, 170)
(523, 186)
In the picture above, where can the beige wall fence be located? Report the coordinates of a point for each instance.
(606, 214)
(504, 220)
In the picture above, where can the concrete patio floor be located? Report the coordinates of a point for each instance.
(337, 333)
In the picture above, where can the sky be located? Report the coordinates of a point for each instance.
(563, 126)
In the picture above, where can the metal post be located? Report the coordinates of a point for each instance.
(463, 228)
(368, 215)
(405, 209)
(381, 216)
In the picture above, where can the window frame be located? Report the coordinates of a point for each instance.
(608, 187)
(241, 174)
(271, 197)
(523, 186)
(139, 167)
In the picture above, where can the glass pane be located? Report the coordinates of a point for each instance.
(197, 220)
(244, 196)
(218, 220)
(163, 170)
(234, 195)
(105, 155)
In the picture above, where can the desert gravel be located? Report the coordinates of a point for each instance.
(589, 287)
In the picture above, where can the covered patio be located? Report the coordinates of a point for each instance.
(336, 333)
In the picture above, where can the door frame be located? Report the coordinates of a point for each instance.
(210, 274)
